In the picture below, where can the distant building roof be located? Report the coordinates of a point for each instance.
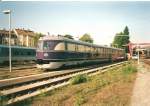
(25, 32)
(6, 32)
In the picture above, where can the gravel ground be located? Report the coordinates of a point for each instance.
(141, 91)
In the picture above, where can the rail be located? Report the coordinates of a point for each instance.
(18, 90)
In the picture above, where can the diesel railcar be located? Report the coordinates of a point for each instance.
(55, 51)
(18, 53)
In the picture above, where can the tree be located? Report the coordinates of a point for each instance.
(37, 37)
(68, 36)
(121, 33)
(86, 38)
(121, 39)
(126, 31)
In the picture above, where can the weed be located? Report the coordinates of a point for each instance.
(3, 100)
(79, 79)
(79, 99)
(24, 103)
(129, 69)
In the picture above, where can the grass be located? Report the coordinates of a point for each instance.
(129, 69)
(81, 78)
(3, 99)
(112, 88)
(79, 99)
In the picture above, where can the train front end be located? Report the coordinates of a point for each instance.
(50, 53)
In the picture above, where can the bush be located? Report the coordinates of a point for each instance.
(129, 69)
(79, 79)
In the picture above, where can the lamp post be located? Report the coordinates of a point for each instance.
(9, 13)
(138, 54)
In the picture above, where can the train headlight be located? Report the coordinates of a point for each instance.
(45, 54)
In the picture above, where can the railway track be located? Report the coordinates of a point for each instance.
(18, 89)
(19, 72)
(17, 67)
(26, 70)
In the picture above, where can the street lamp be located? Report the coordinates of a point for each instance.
(9, 13)
(138, 53)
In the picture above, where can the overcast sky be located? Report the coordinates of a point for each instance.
(100, 19)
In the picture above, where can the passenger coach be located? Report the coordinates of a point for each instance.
(18, 54)
(55, 52)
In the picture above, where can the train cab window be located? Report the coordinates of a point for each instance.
(50, 44)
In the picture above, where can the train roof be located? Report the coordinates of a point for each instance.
(17, 47)
(45, 38)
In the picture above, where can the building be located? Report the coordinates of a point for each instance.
(20, 37)
(25, 37)
(4, 37)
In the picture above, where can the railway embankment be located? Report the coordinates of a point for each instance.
(113, 87)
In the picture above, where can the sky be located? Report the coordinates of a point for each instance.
(102, 20)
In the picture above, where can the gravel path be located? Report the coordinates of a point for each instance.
(141, 91)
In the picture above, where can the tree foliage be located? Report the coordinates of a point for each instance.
(68, 36)
(126, 31)
(37, 37)
(121, 39)
(86, 38)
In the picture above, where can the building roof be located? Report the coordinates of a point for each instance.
(25, 32)
(6, 32)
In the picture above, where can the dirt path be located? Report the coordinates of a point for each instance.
(141, 91)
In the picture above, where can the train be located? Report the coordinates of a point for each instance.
(56, 51)
(18, 54)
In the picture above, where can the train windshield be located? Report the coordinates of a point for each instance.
(50, 44)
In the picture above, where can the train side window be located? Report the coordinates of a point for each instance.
(85, 48)
(100, 50)
(76, 47)
(92, 49)
(81, 48)
(88, 49)
(29, 53)
(0, 51)
(5, 51)
(71, 47)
